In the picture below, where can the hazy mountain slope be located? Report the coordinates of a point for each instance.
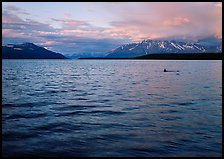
(28, 51)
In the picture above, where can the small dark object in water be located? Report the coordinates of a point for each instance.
(170, 71)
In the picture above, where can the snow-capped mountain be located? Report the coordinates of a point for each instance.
(207, 45)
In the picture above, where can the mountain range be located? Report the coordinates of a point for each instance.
(28, 51)
(146, 47)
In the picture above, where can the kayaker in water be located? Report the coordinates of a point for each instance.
(169, 71)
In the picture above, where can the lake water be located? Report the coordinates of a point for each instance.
(111, 108)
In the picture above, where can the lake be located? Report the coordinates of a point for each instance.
(122, 108)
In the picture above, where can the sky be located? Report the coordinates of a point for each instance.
(95, 28)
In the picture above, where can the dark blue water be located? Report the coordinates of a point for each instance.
(111, 108)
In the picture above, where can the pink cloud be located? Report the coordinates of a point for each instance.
(178, 21)
(218, 14)
(67, 15)
(10, 18)
(13, 34)
(50, 43)
(168, 19)
(218, 4)
(134, 22)
(70, 23)
(15, 9)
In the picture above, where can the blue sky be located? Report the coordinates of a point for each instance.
(95, 28)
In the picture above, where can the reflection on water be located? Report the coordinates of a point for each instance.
(111, 108)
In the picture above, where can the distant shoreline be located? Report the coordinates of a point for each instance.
(189, 56)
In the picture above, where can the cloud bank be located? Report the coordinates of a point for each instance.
(137, 21)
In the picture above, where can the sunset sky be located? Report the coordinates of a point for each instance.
(98, 27)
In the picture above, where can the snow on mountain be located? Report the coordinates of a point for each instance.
(207, 45)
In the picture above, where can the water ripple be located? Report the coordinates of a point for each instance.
(121, 108)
